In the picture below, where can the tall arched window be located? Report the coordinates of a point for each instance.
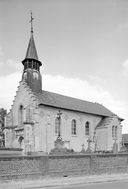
(57, 126)
(87, 129)
(113, 131)
(116, 132)
(73, 127)
(20, 116)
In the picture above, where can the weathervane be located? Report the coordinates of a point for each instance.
(31, 21)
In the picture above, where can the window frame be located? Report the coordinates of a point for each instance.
(116, 132)
(113, 131)
(73, 127)
(87, 128)
(21, 115)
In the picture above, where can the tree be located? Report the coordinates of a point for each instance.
(3, 113)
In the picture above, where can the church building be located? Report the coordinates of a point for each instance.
(39, 118)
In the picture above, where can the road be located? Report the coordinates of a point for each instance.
(117, 181)
(106, 185)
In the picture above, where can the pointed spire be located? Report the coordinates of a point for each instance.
(31, 51)
(31, 73)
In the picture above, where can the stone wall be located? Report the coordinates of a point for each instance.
(18, 167)
(110, 164)
(64, 165)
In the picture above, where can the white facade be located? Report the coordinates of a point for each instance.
(38, 126)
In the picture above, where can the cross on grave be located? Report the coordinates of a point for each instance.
(89, 142)
(83, 149)
(59, 119)
(89, 146)
(59, 114)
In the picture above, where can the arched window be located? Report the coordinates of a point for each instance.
(113, 131)
(29, 114)
(57, 126)
(116, 132)
(73, 127)
(20, 116)
(87, 129)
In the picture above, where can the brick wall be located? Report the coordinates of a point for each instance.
(35, 166)
(21, 166)
(69, 164)
(110, 164)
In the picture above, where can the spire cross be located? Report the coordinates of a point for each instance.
(31, 21)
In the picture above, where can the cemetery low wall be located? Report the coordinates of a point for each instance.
(64, 165)
(10, 151)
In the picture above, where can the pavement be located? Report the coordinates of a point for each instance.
(55, 182)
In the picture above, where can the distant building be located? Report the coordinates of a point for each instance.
(38, 118)
(125, 140)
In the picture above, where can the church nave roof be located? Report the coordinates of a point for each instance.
(69, 103)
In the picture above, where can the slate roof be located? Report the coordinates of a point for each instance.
(125, 138)
(69, 103)
(104, 122)
(31, 51)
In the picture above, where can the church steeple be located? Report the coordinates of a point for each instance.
(31, 51)
(31, 55)
(31, 73)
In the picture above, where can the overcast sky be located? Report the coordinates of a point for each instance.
(83, 46)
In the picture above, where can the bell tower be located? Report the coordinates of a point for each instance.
(31, 73)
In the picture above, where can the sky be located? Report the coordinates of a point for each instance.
(82, 44)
